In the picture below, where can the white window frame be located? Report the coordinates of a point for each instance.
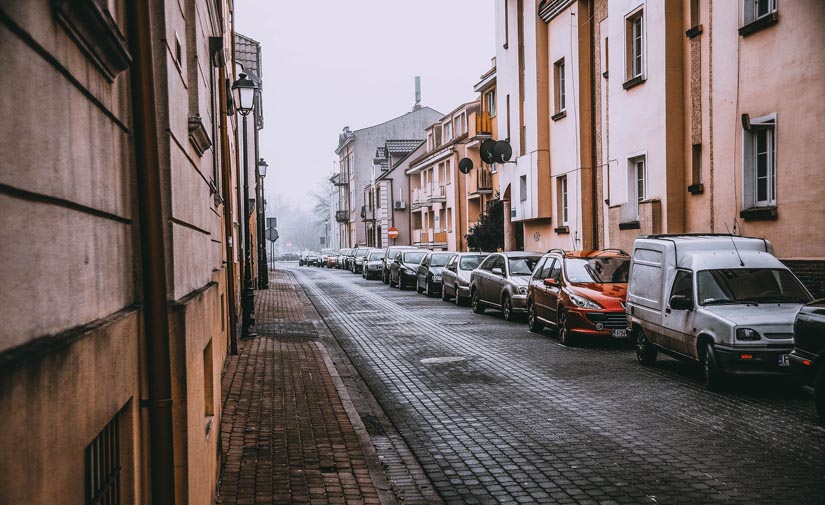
(564, 210)
(750, 177)
(631, 72)
(560, 98)
(490, 101)
(448, 131)
(750, 12)
(523, 188)
(633, 196)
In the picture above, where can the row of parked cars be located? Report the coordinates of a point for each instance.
(722, 301)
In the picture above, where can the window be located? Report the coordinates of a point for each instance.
(694, 13)
(377, 197)
(559, 86)
(640, 176)
(540, 267)
(508, 117)
(634, 40)
(449, 219)
(490, 102)
(208, 384)
(636, 188)
(683, 285)
(755, 9)
(696, 165)
(759, 147)
(562, 195)
(448, 131)
(523, 188)
(506, 23)
(102, 466)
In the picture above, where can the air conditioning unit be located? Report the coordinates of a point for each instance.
(399, 205)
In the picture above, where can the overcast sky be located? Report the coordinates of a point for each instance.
(329, 64)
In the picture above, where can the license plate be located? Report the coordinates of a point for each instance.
(784, 360)
(620, 333)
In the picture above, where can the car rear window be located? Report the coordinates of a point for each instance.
(470, 262)
(598, 270)
(413, 257)
(523, 265)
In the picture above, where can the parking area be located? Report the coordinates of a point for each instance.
(496, 414)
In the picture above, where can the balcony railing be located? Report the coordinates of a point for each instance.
(342, 216)
(484, 123)
(439, 237)
(480, 182)
(437, 194)
(421, 197)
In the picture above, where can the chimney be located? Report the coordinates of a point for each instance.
(417, 93)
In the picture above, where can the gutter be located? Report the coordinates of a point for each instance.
(152, 249)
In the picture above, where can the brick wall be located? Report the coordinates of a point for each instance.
(811, 273)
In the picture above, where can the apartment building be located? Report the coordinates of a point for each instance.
(117, 307)
(385, 197)
(438, 191)
(356, 153)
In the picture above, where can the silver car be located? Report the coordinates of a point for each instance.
(500, 282)
(455, 278)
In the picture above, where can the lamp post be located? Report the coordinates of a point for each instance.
(244, 91)
(326, 232)
(263, 268)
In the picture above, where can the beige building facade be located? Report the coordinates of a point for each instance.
(124, 263)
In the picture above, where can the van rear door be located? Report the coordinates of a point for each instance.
(645, 288)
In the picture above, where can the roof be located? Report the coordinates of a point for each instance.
(714, 251)
(402, 146)
(603, 253)
(421, 143)
(248, 53)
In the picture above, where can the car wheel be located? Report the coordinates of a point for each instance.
(532, 321)
(819, 393)
(444, 296)
(478, 308)
(645, 352)
(401, 285)
(385, 278)
(390, 282)
(507, 308)
(714, 377)
(565, 337)
(428, 289)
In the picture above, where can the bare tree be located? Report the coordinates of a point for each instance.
(322, 199)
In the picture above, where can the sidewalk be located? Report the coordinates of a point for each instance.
(290, 433)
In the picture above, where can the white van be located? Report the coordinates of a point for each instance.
(722, 300)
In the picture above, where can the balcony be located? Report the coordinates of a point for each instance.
(481, 182)
(481, 125)
(367, 214)
(437, 194)
(342, 216)
(439, 238)
(421, 198)
(420, 237)
(430, 238)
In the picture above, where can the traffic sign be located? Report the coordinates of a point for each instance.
(392, 232)
(271, 234)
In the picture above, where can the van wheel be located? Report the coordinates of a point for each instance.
(645, 352)
(819, 393)
(565, 337)
(532, 321)
(714, 377)
(478, 308)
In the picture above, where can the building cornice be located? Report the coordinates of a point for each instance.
(549, 9)
(429, 160)
(487, 80)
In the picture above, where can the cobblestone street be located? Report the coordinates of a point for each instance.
(514, 417)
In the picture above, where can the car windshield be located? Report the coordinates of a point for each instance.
(470, 262)
(439, 260)
(363, 252)
(749, 285)
(413, 257)
(523, 265)
(598, 270)
(376, 255)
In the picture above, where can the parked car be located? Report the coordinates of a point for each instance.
(341, 259)
(404, 267)
(808, 356)
(302, 258)
(349, 257)
(428, 275)
(455, 278)
(720, 300)
(313, 258)
(331, 259)
(579, 293)
(389, 256)
(357, 264)
(325, 254)
(500, 282)
(373, 264)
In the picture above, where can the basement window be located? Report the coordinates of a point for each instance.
(102, 466)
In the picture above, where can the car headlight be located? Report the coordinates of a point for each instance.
(747, 334)
(522, 290)
(584, 303)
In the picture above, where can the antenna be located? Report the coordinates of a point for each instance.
(417, 93)
(732, 241)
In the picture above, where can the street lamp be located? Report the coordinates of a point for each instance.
(244, 91)
(263, 268)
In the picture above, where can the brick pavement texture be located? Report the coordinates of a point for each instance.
(518, 418)
(286, 434)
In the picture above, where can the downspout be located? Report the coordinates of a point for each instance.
(152, 248)
(228, 220)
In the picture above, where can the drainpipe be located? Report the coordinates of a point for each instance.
(152, 248)
(228, 219)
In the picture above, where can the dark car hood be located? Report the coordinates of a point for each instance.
(436, 270)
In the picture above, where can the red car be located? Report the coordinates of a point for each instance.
(579, 293)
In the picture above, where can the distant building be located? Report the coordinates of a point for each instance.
(356, 152)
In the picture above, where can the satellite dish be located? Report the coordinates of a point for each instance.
(502, 152)
(486, 151)
(465, 165)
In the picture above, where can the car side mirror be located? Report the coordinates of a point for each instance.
(551, 283)
(498, 271)
(681, 302)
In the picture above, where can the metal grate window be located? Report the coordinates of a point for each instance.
(102, 461)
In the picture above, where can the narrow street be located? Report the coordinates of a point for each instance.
(495, 414)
